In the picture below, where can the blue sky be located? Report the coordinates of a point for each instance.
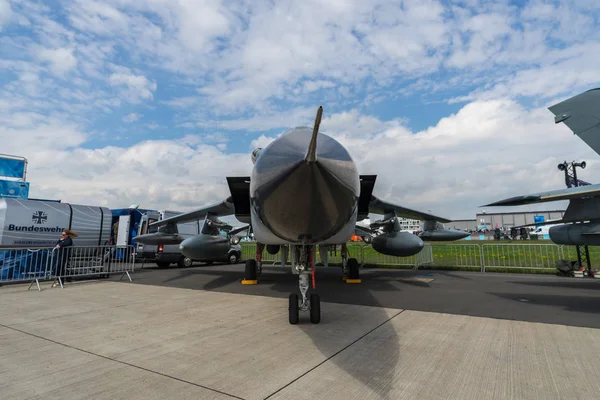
(155, 102)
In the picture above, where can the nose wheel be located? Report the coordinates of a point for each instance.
(314, 308)
(311, 304)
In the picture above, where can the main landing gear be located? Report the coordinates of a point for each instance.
(350, 267)
(302, 259)
(254, 267)
(303, 265)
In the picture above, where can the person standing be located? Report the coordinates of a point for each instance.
(62, 249)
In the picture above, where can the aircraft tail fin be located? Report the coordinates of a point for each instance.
(311, 154)
(581, 114)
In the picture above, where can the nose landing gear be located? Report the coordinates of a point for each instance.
(305, 271)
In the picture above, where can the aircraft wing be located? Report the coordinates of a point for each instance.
(378, 206)
(221, 209)
(239, 230)
(549, 222)
(578, 192)
(581, 114)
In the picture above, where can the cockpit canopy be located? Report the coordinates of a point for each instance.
(255, 154)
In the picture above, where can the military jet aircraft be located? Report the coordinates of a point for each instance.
(304, 193)
(581, 114)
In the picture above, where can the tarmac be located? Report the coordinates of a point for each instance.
(197, 333)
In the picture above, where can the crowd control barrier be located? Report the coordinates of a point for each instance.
(35, 265)
(478, 257)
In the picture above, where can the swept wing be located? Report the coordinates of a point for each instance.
(378, 206)
(580, 192)
(581, 114)
(549, 222)
(239, 204)
(221, 209)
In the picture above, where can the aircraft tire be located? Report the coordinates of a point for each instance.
(250, 270)
(315, 308)
(353, 272)
(293, 309)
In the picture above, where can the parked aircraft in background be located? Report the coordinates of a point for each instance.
(305, 193)
(581, 113)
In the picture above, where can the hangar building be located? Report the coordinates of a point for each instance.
(504, 220)
(469, 225)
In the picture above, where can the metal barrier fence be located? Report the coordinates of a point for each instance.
(33, 265)
(468, 256)
(458, 255)
(521, 256)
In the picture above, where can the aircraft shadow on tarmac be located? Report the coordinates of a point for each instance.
(580, 284)
(279, 282)
(583, 304)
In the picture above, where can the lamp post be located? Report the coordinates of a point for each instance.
(570, 170)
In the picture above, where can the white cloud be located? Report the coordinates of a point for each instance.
(181, 102)
(159, 173)
(569, 71)
(153, 126)
(61, 60)
(243, 56)
(262, 142)
(266, 121)
(5, 12)
(134, 87)
(33, 135)
(129, 118)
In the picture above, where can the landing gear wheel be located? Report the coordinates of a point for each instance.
(353, 272)
(315, 308)
(250, 270)
(293, 309)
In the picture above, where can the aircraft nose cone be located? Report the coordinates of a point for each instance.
(298, 199)
(311, 202)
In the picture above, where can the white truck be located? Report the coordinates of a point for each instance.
(543, 230)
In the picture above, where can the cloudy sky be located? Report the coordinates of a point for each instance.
(155, 102)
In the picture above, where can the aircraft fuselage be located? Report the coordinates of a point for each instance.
(294, 201)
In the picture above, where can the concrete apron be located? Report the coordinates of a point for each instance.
(108, 340)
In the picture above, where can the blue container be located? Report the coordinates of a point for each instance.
(14, 189)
